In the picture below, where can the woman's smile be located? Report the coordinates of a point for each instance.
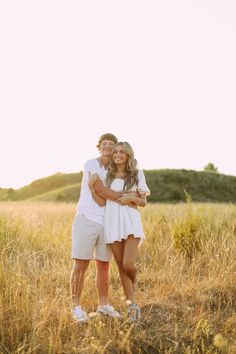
(120, 155)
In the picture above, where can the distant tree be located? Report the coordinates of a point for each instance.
(210, 167)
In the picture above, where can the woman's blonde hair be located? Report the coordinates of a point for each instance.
(131, 171)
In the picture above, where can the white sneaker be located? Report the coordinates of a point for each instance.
(134, 313)
(108, 310)
(79, 315)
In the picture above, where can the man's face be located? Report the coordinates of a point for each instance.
(106, 148)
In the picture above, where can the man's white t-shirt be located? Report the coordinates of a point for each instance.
(87, 205)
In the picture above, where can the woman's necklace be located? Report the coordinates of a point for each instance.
(120, 174)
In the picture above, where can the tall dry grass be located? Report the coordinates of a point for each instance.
(186, 283)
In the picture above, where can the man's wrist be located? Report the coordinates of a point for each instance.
(139, 201)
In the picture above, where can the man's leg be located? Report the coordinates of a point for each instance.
(77, 279)
(103, 256)
(84, 235)
(102, 281)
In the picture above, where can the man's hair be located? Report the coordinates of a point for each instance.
(107, 136)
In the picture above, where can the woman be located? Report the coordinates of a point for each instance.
(122, 222)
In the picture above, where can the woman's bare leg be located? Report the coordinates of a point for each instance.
(118, 252)
(129, 260)
(130, 257)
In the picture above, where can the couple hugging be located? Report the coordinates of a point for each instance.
(108, 222)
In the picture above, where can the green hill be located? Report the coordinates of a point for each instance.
(165, 185)
(65, 194)
(41, 186)
(170, 186)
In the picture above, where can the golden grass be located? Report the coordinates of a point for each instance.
(188, 298)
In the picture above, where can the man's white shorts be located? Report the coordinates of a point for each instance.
(88, 240)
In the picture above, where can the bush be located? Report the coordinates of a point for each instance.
(186, 232)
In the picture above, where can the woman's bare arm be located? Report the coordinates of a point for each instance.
(128, 198)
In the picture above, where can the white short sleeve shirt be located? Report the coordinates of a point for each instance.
(87, 205)
(142, 185)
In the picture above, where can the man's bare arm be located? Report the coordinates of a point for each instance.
(108, 193)
(104, 192)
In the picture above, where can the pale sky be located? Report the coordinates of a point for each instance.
(159, 74)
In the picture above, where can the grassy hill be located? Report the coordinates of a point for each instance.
(68, 193)
(165, 185)
(170, 186)
(53, 185)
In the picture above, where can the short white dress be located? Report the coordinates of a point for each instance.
(120, 221)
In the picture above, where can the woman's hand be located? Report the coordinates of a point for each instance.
(92, 180)
(132, 199)
(126, 198)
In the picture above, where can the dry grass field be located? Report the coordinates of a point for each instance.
(186, 283)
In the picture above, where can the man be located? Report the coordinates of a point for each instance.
(87, 234)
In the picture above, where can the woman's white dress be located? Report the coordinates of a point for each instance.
(120, 221)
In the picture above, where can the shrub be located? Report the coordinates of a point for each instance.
(186, 232)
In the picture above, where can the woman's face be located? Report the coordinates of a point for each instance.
(119, 155)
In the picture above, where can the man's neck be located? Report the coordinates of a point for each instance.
(104, 161)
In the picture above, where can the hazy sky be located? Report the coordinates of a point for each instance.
(159, 74)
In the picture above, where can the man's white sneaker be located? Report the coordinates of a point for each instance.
(79, 315)
(108, 310)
